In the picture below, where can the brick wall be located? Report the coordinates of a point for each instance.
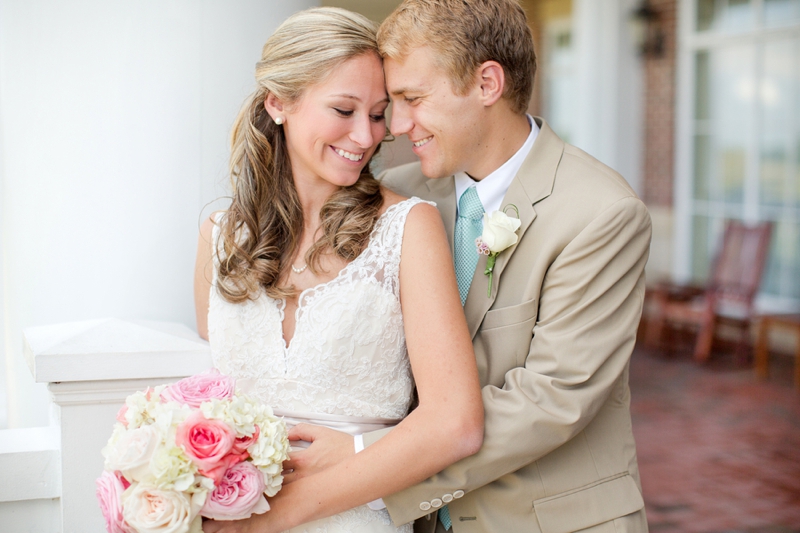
(659, 143)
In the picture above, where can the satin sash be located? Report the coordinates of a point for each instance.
(352, 425)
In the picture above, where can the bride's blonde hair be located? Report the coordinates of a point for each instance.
(261, 230)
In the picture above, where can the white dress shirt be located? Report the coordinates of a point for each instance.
(491, 190)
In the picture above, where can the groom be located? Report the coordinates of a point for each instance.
(553, 334)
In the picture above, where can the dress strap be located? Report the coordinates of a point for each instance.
(387, 239)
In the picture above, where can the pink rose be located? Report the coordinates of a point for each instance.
(239, 494)
(207, 443)
(218, 472)
(195, 390)
(121, 415)
(242, 443)
(109, 491)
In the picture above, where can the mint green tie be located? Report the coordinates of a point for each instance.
(469, 226)
(444, 518)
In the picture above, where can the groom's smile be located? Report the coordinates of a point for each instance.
(443, 125)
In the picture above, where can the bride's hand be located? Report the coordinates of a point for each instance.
(328, 447)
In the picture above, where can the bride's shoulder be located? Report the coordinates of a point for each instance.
(208, 225)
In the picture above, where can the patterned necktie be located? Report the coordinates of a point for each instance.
(469, 226)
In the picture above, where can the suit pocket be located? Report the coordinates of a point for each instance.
(504, 340)
(588, 506)
(509, 316)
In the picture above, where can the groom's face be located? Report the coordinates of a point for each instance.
(443, 125)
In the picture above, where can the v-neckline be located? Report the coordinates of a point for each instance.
(281, 303)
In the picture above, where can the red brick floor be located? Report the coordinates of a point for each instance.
(719, 452)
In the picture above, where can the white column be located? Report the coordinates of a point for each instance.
(114, 118)
(609, 118)
(91, 367)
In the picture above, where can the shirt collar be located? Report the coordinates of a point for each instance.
(493, 187)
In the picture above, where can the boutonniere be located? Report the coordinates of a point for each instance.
(499, 233)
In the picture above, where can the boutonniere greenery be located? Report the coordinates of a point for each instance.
(499, 233)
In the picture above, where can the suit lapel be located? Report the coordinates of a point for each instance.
(443, 192)
(533, 182)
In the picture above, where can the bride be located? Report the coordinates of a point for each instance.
(334, 295)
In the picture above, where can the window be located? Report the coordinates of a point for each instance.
(741, 117)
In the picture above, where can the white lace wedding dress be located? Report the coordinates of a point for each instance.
(347, 358)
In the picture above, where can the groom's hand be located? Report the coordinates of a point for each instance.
(328, 447)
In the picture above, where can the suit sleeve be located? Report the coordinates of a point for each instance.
(590, 305)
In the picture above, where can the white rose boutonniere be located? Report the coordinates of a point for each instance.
(499, 233)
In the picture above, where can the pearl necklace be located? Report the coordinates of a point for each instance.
(299, 270)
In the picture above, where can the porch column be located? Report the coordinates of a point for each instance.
(90, 367)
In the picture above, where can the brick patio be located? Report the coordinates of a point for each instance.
(719, 452)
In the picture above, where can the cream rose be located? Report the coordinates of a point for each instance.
(132, 451)
(499, 231)
(151, 510)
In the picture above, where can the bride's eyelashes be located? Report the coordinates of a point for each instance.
(349, 113)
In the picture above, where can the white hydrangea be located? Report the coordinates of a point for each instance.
(141, 406)
(271, 449)
(173, 470)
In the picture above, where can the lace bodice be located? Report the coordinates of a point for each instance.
(348, 353)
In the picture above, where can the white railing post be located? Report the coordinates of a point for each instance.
(90, 368)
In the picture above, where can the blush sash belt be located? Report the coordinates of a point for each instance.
(353, 425)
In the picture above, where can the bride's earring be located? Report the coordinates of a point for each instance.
(279, 120)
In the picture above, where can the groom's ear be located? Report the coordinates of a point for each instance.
(492, 80)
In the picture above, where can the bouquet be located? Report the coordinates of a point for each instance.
(195, 448)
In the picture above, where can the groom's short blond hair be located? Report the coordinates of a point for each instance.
(464, 34)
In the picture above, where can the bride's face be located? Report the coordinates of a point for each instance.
(335, 127)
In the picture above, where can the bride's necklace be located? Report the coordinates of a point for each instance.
(299, 270)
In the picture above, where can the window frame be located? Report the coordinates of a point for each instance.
(690, 42)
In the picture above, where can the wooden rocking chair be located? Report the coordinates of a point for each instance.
(728, 297)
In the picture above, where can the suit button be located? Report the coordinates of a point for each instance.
(425, 506)
(447, 498)
(457, 494)
(436, 503)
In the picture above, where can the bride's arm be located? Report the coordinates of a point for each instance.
(202, 277)
(445, 427)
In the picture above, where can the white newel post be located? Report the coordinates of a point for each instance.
(90, 368)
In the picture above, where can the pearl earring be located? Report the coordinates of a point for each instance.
(279, 120)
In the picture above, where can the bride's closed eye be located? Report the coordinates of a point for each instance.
(349, 113)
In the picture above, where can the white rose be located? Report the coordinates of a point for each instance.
(151, 510)
(132, 451)
(499, 231)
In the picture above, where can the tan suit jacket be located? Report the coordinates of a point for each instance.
(553, 343)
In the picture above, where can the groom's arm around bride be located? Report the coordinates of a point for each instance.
(554, 336)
